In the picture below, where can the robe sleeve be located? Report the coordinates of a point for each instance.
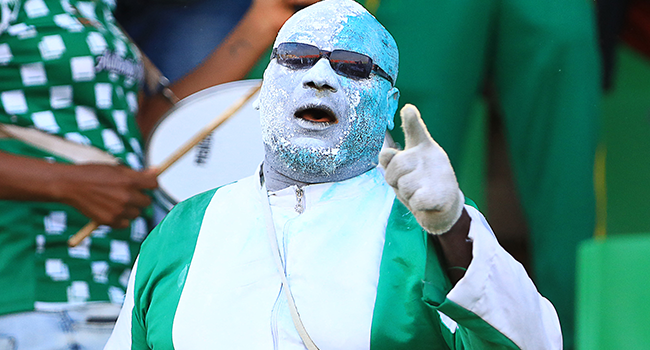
(496, 305)
(127, 327)
(156, 283)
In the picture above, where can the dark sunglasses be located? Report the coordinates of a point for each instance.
(346, 63)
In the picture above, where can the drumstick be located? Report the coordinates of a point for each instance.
(180, 152)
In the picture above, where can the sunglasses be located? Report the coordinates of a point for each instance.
(346, 63)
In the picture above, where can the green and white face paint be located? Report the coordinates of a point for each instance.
(317, 125)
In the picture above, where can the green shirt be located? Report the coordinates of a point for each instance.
(66, 69)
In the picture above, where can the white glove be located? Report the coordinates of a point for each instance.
(422, 176)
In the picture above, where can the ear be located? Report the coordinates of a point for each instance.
(392, 98)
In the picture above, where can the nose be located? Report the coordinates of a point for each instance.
(321, 77)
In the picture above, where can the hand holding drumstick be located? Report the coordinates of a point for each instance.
(132, 211)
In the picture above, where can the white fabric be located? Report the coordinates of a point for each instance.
(7, 15)
(495, 278)
(232, 296)
(320, 263)
(121, 337)
(273, 239)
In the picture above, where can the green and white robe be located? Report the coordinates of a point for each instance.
(363, 273)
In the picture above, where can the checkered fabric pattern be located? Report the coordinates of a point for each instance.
(66, 69)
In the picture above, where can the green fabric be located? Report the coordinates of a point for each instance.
(412, 286)
(411, 273)
(475, 332)
(401, 320)
(161, 272)
(55, 75)
(542, 60)
(626, 137)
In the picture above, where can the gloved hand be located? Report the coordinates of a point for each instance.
(422, 176)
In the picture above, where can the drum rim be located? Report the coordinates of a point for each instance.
(196, 96)
(161, 195)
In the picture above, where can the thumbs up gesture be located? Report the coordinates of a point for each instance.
(422, 176)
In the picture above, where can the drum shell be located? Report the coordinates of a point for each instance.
(231, 152)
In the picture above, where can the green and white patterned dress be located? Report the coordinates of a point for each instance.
(363, 273)
(66, 69)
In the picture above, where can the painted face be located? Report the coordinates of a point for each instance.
(319, 125)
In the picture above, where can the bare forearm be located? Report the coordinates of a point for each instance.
(457, 248)
(231, 60)
(237, 54)
(29, 179)
(108, 194)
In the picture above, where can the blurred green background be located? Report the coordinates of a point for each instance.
(613, 282)
(626, 136)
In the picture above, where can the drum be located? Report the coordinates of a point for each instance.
(231, 152)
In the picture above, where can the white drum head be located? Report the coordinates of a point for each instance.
(231, 152)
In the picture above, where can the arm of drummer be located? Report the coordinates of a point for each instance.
(231, 60)
(110, 195)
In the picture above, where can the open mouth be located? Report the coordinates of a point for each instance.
(317, 115)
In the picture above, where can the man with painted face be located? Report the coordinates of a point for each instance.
(322, 249)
